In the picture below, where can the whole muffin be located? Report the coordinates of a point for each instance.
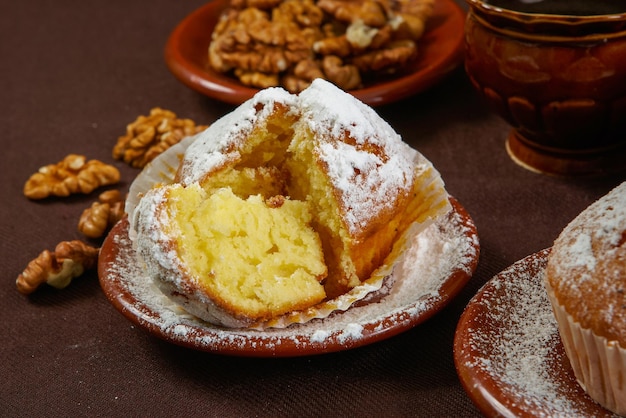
(586, 283)
(281, 204)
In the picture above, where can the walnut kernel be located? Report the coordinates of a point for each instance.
(71, 176)
(96, 220)
(69, 260)
(150, 135)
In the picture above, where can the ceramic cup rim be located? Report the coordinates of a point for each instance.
(547, 28)
(485, 6)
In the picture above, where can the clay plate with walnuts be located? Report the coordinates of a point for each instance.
(440, 50)
(432, 269)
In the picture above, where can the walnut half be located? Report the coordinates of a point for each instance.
(69, 260)
(148, 136)
(96, 220)
(71, 176)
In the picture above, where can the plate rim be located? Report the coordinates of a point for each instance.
(383, 328)
(488, 397)
(227, 89)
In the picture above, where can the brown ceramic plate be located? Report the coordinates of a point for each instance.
(440, 51)
(508, 352)
(434, 268)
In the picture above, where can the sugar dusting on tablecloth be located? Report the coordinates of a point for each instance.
(431, 257)
(517, 342)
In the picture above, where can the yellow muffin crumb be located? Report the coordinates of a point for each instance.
(258, 255)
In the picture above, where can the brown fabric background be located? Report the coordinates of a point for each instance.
(72, 75)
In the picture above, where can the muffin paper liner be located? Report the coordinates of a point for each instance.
(598, 363)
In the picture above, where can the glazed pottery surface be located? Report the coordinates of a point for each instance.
(556, 72)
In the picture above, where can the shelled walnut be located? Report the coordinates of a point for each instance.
(69, 260)
(148, 136)
(265, 41)
(268, 42)
(371, 12)
(97, 219)
(74, 174)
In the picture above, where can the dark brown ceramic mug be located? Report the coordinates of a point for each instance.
(555, 70)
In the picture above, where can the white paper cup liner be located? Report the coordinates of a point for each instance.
(599, 364)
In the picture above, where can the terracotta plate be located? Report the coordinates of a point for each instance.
(440, 51)
(437, 263)
(508, 352)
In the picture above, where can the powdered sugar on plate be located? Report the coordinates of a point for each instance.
(508, 351)
(435, 265)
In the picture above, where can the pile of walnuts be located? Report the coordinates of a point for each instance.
(289, 43)
(145, 138)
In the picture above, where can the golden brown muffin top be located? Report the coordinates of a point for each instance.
(587, 267)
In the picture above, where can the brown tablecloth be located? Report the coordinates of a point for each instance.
(72, 75)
